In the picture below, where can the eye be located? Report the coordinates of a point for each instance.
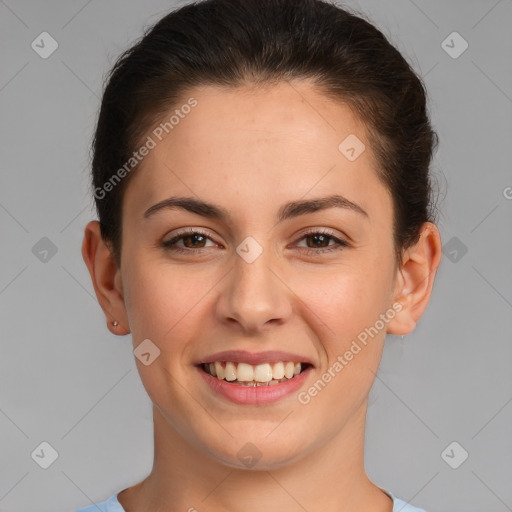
(193, 241)
(322, 238)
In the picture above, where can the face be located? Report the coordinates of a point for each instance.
(267, 283)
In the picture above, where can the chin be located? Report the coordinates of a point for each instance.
(257, 455)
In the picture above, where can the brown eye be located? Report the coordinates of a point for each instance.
(318, 238)
(192, 241)
(320, 242)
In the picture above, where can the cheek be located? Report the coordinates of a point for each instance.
(343, 306)
(161, 300)
(337, 306)
(346, 299)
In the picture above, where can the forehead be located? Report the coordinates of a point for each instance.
(256, 145)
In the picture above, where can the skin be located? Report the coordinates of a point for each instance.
(250, 151)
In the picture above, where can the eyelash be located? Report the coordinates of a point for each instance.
(169, 244)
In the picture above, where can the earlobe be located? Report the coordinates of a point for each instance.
(105, 278)
(415, 279)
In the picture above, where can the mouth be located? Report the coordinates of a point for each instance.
(259, 375)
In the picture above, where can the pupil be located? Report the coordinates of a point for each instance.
(321, 237)
(191, 236)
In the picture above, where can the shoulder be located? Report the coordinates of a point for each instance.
(402, 506)
(112, 505)
(109, 505)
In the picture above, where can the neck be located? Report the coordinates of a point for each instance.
(331, 479)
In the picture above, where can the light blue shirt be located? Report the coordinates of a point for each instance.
(113, 505)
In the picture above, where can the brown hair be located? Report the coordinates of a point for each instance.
(240, 42)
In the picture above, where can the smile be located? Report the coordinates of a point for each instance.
(243, 374)
(258, 385)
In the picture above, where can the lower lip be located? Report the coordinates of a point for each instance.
(258, 395)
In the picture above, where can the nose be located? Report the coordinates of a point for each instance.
(254, 296)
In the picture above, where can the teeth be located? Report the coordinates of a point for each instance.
(289, 370)
(278, 372)
(247, 374)
(262, 373)
(219, 371)
(230, 372)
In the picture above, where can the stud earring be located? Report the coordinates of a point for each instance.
(115, 323)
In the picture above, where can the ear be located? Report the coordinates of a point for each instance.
(106, 278)
(415, 279)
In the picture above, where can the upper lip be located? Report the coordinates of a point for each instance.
(255, 358)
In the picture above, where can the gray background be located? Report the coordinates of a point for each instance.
(67, 381)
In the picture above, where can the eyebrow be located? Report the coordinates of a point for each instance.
(287, 211)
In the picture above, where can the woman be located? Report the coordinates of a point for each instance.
(261, 175)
